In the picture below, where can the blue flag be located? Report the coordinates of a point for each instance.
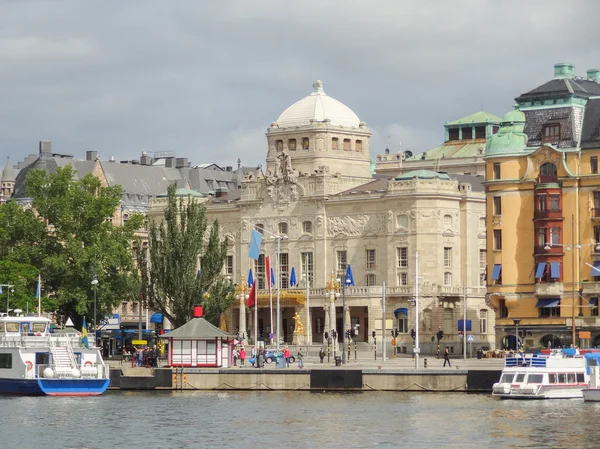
(348, 279)
(84, 337)
(250, 278)
(255, 241)
(293, 281)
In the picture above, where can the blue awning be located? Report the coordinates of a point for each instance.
(547, 302)
(401, 310)
(156, 318)
(496, 272)
(555, 270)
(596, 269)
(539, 272)
(593, 302)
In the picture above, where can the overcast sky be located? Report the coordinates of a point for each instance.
(205, 79)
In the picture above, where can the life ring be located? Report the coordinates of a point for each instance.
(29, 365)
(88, 363)
(38, 335)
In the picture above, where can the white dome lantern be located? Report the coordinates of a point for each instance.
(318, 107)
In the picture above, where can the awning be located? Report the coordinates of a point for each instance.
(547, 302)
(593, 302)
(399, 311)
(596, 269)
(496, 272)
(539, 272)
(156, 318)
(555, 270)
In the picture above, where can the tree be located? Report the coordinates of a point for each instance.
(184, 271)
(66, 236)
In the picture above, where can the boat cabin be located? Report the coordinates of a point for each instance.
(30, 326)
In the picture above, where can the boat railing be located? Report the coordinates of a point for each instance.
(87, 371)
(35, 341)
(537, 362)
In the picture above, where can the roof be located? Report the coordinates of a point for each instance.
(452, 149)
(422, 174)
(590, 132)
(369, 187)
(197, 328)
(476, 181)
(8, 174)
(318, 106)
(182, 192)
(477, 117)
(561, 87)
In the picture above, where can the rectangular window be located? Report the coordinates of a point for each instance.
(334, 144)
(596, 236)
(402, 257)
(482, 259)
(497, 170)
(371, 280)
(448, 257)
(541, 237)
(541, 203)
(497, 239)
(402, 323)
(229, 265)
(342, 260)
(5, 361)
(260, 272)
(292, 144)
(305, 143)
(307, 265)
(403, 278)
(480, 132)
(453, 134)
(551, 133)
(554, 203)
(284, 260)
(447, 278)
(594, 165)
(467, 133)
(370, 257)
(483, 321)
(497, 205)
(283, 228)
(545, 312)
(346, 144)
(502, 309)
(358, 145)
(307, 227)
(123, 307)
(555, 236)
(134, 307)
(279, 145)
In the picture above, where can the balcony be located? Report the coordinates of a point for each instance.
(446, 290)
(554, 250)
(548, 215)
(591, 288)
(549, 289)
(583, 322)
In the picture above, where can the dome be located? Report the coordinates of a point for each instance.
(514, 116)
(318, 106)
(511, 138)
(422, 174)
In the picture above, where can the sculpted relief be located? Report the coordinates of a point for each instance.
(282, 182)
(355, 225)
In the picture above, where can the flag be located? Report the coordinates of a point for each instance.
(0, 289)
(269, 273)
(293, 277)
(252, 296)
(272, 277)
(349, 279)
(250, 278)
(255, 242)
(84, 338)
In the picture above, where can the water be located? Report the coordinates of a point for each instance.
(295, 420)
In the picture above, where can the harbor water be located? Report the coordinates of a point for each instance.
(295, 420)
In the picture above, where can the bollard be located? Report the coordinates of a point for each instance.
(424, 363)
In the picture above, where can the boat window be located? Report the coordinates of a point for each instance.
(6, 361)
(12, 327)
(39, 327)
(580, 378)
(552, 378)
(571, 378)
(535, 378)
(506, 378)
(562, 378)
(520, 378)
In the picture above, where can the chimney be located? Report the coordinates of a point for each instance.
(145, 159)
(45, 148)
(564, 70)
(181, 162)
(593, 75)
(91, 155)
(220, 191)
(169, 162)
(197, 311)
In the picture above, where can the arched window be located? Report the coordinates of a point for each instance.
(548, 172)
(448, 221)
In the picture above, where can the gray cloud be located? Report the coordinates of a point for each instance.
(206, 78)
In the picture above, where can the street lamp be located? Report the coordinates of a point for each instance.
(333, 288)
(517, 321)
(242, 293)
(95, 286)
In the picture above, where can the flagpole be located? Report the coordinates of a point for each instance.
(270, 278)
(39, 295)
(256, 315)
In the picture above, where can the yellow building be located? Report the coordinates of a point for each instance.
(543, 215)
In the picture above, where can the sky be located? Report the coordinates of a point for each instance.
(205, 79)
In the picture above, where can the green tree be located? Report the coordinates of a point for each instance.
(172, 283)
(68, 239)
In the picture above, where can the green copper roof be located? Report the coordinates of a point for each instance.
(510, 138)
(478, 117)
(422, 174)
(452, 149)
(183, 192)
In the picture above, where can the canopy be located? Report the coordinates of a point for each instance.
(400, 310)
(596, 268)
(496, 272)
(539, 272)
(593, 302)
(156, 318)
(555, 270)
(548, 302)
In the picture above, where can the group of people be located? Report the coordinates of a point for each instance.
(144, 357)
(239, 353)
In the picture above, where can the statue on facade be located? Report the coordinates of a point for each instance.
(298, 327)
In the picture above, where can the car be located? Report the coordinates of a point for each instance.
(271, 356)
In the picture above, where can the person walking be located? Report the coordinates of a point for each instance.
(286, 356)
(447, 357)
(242, 356)
(235, 356)
(300, 356)
(322, 354)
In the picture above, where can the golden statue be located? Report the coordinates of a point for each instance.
(298, 328)
(223, 323)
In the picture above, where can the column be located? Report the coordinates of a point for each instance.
(347, 316)
(242, 318)
(309, 327)
(326, 328)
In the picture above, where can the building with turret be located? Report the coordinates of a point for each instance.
(7, 182)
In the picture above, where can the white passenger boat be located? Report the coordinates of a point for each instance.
(561, 374)
(592, 393)
(34, 361)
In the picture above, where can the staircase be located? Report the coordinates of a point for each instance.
(64, 359)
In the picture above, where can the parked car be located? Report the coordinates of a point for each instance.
(271, 356)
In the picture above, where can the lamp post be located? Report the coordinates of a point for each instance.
(517, 321)
(308, 326)
(242, 293)
(333, 288)
(416, 349)
(8, 292)
(95, 286)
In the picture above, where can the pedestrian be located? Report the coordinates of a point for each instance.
(242, 356)
(447, 357)
(322, 354)
(286, 356)
(235, 356)
(300, 356)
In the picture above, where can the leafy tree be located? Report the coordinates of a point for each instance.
(172, 283)
(68, 239)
